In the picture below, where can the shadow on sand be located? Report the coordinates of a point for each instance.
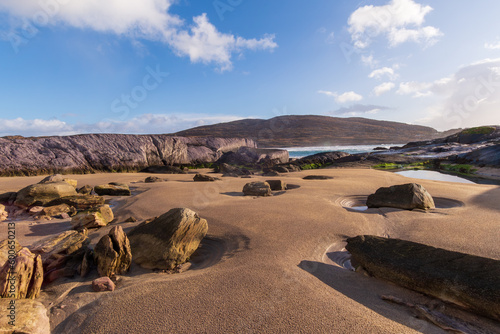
(489, 199)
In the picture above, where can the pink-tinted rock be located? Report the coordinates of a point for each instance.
(102, 284)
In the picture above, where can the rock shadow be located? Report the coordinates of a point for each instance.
(233, 194)
(49, 228)
(489, 199)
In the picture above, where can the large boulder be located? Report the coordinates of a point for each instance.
(79, 201)
(8, 198)
(466, 280)
(252, 156)
(43, 193)
(62, 254)
(112, 189)
(405, 196)
(169, 240)
(21, 277)
(93, 218)
(257, 189)
(23, 316)
(112, 253)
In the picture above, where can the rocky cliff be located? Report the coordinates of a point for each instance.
(107, 152)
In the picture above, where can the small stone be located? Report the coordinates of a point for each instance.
(277, 185)
(257, 189)
(102, 284)
(130, 220)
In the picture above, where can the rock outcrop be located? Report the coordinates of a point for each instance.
(93, 218)
(28, 316)
(233, 171)
(167, 241)
(253, 156)
(257, 189)
(107, 152)
(23, 278)
(405, 196)
(112, 253)
(59, 178)
(43, 193)
(112, 189)
(466, 280)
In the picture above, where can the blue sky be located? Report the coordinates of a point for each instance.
(160, 66)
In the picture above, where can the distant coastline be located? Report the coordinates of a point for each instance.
(300, 152)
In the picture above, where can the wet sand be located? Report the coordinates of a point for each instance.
(265, 266)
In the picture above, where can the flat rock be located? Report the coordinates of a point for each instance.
(102, 284)
(93, 218)
(112, 189)
(57, 210)
(79, 201)
(112, 253)
(466, 280)
(317, 177)
(204, 178)
(41, 194)
(257, 189)
(59, 178)
(277, 185)
(405, 196)
(168, 240)
(29, 316)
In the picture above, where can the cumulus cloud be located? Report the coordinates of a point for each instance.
(384, 71)
(137, 19)
(469, 97)
(142, 124)
(359, 109)
(492, 46)
(344, 97)
(416, 89)
(369, 61)
(383, 88)
(399, 21)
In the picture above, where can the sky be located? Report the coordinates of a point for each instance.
(161, 66)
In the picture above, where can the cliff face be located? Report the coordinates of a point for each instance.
(108, 152)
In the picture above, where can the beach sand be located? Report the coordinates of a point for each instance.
(266, 265)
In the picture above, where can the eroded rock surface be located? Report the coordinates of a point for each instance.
(405, 196)
(93, 218)
(30, 317)
(112, 253)
(43, 193)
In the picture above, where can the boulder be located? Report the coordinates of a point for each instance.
(204, 178)
(168, 240)
(406, 196)
(93, 218)
(23, 277)
(8, 198)
(85, 190)
(57, 210)
(80, 202)
(112, 253)
(466, 280)
(102, 284)
(3, 213)
(257, 189)
(252, 156)
(43, 193)
(112, 189)
(277, 185)
(153, 179)
(228, 170)
(59, 178)
(317, 177)
(28, 316)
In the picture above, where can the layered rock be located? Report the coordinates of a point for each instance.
(466, 280)
(57, 210)
(85, 190)
(167, 241)
(79, 201)
(108, 152)
(112, 189)
(28, 316)
(43, 193)
(93, 218)
(406, 196)
(112, 253)
(23, 278)
(257, 189)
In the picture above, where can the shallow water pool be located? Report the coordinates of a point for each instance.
(432, 175)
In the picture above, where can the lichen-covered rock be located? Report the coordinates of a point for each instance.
(43, 193)
(228, 170)
(257, 189)
(93, 218)
(23, 277)
(112, 189)
(466, 280)
(112, 253)
(79, 201)
(28, 316)
(168, 240)
(102, 284)
(57, 210)
(277, 185)
(204, 178)
(406, 196)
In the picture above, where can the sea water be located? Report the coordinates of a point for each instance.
(300, 152)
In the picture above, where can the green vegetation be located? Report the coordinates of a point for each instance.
(414, 166)
(387, 165)
(459, 169)
(481, 130)
(198, 166)
(315, 166)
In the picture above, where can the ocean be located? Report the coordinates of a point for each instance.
(300, 152)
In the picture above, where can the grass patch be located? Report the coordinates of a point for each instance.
(480, 130)
(460, 169)
(387, 165)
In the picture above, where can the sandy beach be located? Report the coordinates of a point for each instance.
(267, 264)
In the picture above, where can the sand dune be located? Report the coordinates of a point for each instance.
(265, 266)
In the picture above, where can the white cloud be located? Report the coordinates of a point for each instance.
(384, 71)
(399, 21)
(492, 46)
(383, 88)
(417, 89)
(369, 61)
(139, 19)
(359, 109)
(344, 97)
(469, 97)
(143, 124)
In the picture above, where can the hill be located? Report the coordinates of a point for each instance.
(309, 130)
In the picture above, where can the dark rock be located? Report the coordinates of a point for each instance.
(41, 194)
(257, 189)
(380, 148)
(85, 190)
(164, 170)
(112, 189)
(130, 220)
(252, 156)
(80, 202)
(112, 253)
(322, 158)
(204, 178)
(93, 218)
(153, 179)
(168, 240)
(406, 196)
(8, 198)
(487, 156)
(317, 177)
(280, 169)
(102, 284)
(466, 280)
(270, 173)
(87, 262)
(277, 185)
(228, 170)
